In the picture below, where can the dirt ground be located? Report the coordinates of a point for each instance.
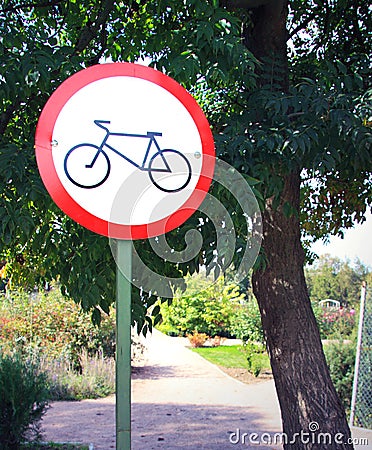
(180, 401)
(244, 376)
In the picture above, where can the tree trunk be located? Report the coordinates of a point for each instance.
(308, 400)
(309, 403)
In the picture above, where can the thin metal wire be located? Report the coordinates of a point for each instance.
(361, 402)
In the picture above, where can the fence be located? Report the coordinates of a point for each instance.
(361, 402)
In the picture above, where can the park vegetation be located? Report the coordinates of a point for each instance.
(226, 310)
(52, 331)
(51, 348)
(223, 308)
(286, 87)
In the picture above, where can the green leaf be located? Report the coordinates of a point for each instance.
(155, 311)
(96, 316)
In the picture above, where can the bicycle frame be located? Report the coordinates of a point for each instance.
(152, 140)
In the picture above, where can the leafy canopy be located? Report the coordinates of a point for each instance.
(319, 125)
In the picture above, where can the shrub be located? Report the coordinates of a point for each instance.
(341, 360)
(23, 400)
(95, 379)
(53, 326)
(205, 307)
(334, 323)
(77, 356)
(246, 322)
(216, 341)
(257, 358)
(197, 339)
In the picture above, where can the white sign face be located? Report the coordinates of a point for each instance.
(124, 132)
(120, 128)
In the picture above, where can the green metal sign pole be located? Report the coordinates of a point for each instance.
(123, 344)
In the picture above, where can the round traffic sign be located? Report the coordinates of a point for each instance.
(125, 150)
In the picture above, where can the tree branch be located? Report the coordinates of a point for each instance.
(90, 31)
(87, 34)
(103, 42)
(32, 5)
(302, 25)
(326, 18)
(6, 116)
(357, 32)
(246, 4)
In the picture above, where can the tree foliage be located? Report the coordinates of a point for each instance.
(336, 279)
(321, 125)
(43, 44)
(286, 85)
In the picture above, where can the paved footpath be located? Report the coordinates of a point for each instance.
(179, 401)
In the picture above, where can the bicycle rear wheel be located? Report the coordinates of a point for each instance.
(177, 177)
(87, 166)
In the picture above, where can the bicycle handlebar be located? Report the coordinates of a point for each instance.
(150, 134)
(100, 123)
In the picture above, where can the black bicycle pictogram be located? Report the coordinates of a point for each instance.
(88, 165)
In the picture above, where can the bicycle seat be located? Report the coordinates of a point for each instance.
(154, 133)
(100, 123)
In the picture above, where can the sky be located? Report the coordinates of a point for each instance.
(357, 243)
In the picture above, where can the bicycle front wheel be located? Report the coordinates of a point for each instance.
(87, 166)
(170, 170)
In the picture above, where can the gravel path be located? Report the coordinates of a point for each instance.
(179, 401)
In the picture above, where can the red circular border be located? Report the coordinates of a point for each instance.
(43, 148)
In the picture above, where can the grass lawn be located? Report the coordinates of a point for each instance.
(235, 357)
(224, 355)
